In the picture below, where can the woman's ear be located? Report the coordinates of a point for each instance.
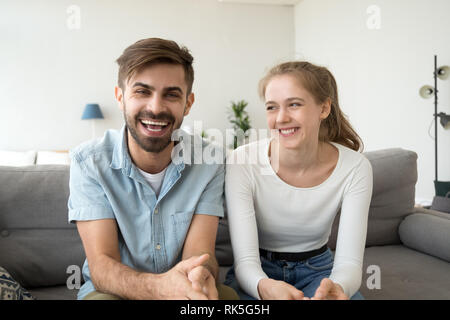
(326, 109)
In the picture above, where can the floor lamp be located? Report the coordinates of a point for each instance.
(443, 73)
(91, 112)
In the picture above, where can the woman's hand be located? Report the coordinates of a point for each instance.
(270, 289)
(329, 290)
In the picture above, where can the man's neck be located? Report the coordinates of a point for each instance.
(149, 161)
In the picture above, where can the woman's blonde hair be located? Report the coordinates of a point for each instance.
(321, 84)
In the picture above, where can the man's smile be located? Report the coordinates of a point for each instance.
(154, 128)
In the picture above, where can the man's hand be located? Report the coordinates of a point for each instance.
(175, 284)
(200, 241)
(203, 281)
(270, 289)
(328, 290)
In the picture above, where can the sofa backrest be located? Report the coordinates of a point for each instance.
(37, 244)
(394, 180)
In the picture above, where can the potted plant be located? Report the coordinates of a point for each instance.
(239, 118)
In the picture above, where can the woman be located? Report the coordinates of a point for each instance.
(282, 207)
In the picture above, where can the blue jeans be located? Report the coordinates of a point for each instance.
(304, 275)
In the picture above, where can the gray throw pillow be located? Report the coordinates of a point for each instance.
(10, 289)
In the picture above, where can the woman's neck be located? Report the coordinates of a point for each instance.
(296, 160)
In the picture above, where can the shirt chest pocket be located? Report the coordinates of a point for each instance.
(181, 221)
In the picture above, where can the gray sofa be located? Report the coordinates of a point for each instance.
(407, 252)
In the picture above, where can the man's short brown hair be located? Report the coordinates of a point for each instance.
(147, 52)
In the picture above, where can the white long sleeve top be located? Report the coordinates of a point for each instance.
(266, 212)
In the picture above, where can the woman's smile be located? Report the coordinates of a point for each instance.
(288, 132)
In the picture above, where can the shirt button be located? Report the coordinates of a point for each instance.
(156, 211)
(158, 246)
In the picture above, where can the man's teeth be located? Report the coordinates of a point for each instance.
(288, 131)
(154, 123)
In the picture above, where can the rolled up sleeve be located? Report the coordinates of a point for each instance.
(212, 198)
(87, 199)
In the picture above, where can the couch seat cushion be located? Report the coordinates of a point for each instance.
(406, 274)
(54, 293)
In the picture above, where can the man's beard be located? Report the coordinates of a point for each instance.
(150, 144)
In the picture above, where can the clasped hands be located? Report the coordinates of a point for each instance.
(270, 289)
(188, 280)
(191, 280)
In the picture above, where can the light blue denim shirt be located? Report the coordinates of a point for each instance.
(105, 183)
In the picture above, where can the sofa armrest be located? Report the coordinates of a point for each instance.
(432, 212)
(427, 231)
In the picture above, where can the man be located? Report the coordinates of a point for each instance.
(138, 212)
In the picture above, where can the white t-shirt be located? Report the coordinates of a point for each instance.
(266, 212)
(155, 180)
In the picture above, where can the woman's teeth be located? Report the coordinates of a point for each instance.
(288, 131)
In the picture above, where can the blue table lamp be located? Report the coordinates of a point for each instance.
(91, 112)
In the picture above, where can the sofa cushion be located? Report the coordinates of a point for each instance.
(394, 180)
(406, 274)
(427, 233)
(17, 158)
(54, 293)
(52, 157)
(34, 197)
(10, 289)
(37, 244)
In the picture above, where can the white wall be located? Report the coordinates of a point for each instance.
(48, 72)
(379, 71)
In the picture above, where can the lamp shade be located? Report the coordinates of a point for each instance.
(92, 111)
(426, 92)
(445, 119)
(443, 72)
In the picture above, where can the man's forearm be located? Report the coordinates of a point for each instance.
(113, 277)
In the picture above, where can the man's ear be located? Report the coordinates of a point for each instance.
(189, 102)
(326, 109)
(119, 96)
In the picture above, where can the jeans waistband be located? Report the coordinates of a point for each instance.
(292, 256)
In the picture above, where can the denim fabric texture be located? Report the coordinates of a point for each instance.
(304, 275)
